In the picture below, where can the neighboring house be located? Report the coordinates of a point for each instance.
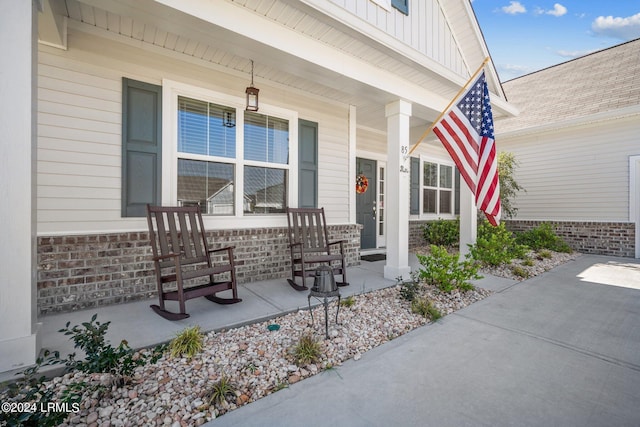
(113, 104)
(577, 141)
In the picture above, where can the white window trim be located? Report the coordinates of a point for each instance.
(170, 91)
(440, 161)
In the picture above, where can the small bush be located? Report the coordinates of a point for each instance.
(544, 254)
(308, 350)
(443, 270)
(496, 245)
(221, 390)
(519, 271)
(424, 307)
(100, 356)
(442, 232)
(543, 237)
(348, 301)
(187, 343)
(408, 290)
(528, 262)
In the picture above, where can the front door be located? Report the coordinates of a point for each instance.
(366, 203)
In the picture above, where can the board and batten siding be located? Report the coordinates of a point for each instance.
(576, 174)
(424, 29)
(79, 132)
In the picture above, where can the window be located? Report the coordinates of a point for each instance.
(211, 159)
(437, 189)
(401, 5)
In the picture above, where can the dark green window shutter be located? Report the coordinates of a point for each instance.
(414, 186)
(401, 5)
(307, 164)
(141, 146)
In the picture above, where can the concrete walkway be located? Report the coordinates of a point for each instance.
(560, 349)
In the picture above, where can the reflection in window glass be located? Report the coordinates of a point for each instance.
(429, 201)
(205, 128)
(265, 189)
(446, 180)
(430, 174)
(266, 139)
(206, 184)
(445, 202)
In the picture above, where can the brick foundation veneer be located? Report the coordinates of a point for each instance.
(78, 272)
(599, 238)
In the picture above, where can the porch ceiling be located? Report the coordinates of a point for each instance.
(155, 24)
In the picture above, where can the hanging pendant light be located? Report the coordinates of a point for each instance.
(252, 94)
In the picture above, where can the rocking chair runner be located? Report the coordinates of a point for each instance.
(310, 246)
(181, 254)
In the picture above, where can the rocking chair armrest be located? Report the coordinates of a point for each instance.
(166, 256)
(226, 248)
(337, 242)
(291, 245)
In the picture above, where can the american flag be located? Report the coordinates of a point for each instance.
(466, 131)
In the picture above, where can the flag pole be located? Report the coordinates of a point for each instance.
(448, 106)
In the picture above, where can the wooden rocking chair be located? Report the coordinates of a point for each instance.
(310, 246)
(181, 254)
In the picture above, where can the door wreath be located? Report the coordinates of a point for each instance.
(361, 183)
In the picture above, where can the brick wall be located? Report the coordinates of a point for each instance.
(599, 238)
(77, 272)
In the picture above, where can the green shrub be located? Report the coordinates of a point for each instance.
(443, 270)
(187, 343)
(100, 356)
(528, 262)
(221, 390)
(543, 237)
(442, 232)
(519, 271)
(348, 301)
(544, 254)
(308, 350)
(408, 290)
(424, 307)
(496, 245)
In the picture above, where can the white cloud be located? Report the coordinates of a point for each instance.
(514, 8)
(558, 10)
(573, 53)
(621, 28)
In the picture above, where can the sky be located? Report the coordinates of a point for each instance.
(528, 35)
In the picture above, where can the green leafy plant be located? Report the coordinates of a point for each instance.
(496, 245)
(528, 262)
(507, 164)
(32, 391)
(187, 343)
(424, 307)
(544, 254)
(348, 301)
(442, 232)
(307, 350)
(221, 390)
(519, 271)
(408, 290)
(100, 356)
(543, 237)
(443, 270)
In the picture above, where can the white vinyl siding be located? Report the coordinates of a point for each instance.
(424, 29)
(79, 133)
(576, 174)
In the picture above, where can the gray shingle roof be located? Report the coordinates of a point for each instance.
(601, 81)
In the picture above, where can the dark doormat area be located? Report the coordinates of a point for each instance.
(374, 257)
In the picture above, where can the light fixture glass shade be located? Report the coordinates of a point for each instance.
(252, 98)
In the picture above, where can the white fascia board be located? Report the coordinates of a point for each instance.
(226, 15)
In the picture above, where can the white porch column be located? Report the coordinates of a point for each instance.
(18, 112)
(397, 197)
(468, 219)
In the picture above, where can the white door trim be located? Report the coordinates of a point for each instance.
(634, 197)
